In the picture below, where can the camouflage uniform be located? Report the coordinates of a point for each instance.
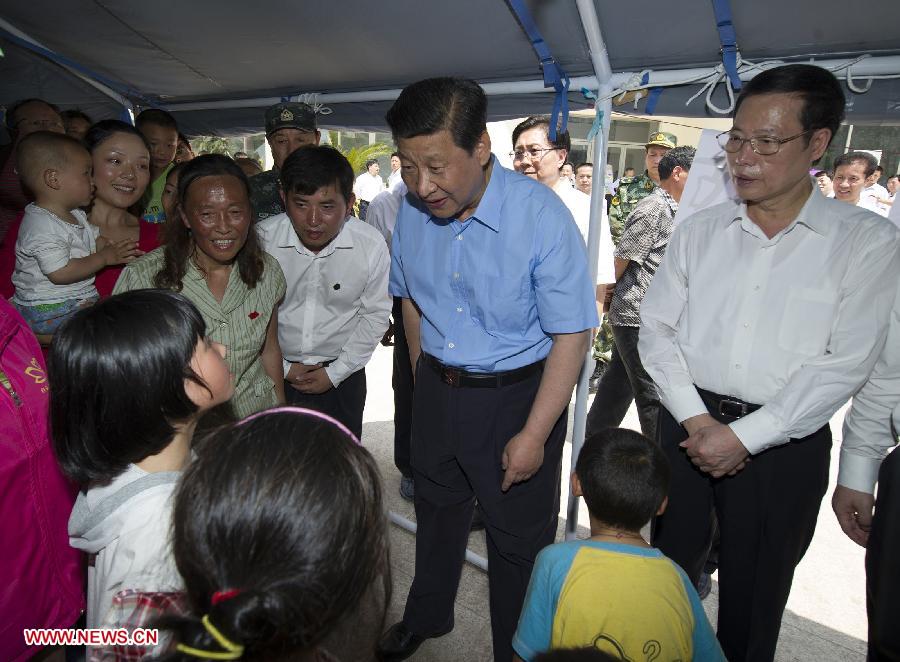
(630, 192)
(265, 196)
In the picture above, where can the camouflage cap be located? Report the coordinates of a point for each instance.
(662, 139)
(290, 116)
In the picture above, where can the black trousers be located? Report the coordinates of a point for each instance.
(345, 402)
(623, 381)
(883, 567)
(402, 382)
(363, 209)
(766, 516)
(458, 437)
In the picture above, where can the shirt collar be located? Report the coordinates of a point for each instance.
(491, 203)
(812, 215)
(287, 238)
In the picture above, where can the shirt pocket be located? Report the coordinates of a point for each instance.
(806, 323)
(499, 303)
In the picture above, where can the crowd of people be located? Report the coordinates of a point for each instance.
(190, 457)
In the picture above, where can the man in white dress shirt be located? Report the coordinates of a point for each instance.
(762, 320)
(336, 307)
(870, 432)
(536, 157)
(367, 186)
(394, 179)
(852, 173)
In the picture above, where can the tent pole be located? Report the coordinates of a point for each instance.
(600, 60)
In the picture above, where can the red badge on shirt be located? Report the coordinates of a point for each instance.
(253, 315)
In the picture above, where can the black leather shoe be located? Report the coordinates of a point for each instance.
(398, 643)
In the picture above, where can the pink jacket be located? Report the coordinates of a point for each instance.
(40, 574)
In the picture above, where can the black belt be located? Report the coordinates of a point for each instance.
(456, 377)
(726, 406)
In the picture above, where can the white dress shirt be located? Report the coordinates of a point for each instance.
(871, 196)
(368, 186)
(382, 213)
(793, 323)
(394, 179)
(580, 205)
(867, 427)
(336, 307)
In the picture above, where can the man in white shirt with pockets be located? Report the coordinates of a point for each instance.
(337, 306)
(763, 319)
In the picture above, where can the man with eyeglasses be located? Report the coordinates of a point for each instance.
(22, 118)
(631, 190)
(763, 319)
(535, 156)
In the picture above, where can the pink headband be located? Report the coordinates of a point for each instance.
(288, 409)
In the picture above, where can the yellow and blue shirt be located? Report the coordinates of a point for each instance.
(631, 602)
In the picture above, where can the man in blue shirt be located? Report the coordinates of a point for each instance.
(497, 308)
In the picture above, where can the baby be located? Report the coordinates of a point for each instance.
(57, 250)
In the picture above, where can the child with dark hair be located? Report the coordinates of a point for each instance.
(272, 562)
(614, 592)
(57, 251)
(129, 378)
(336, 307)
(160, 130)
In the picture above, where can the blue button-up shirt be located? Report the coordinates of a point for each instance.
(492, 289)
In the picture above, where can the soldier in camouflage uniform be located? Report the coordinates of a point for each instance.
(631, 191)
(634, 189)
(288, 126)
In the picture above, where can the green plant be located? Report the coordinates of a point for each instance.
(359, 155)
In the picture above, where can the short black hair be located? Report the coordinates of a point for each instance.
(823, 98)
(563, 141)
(850, 157)
(624, 477)
(41, 151)
(156, 116)
(458, 105)
(878, 167)
(311, 167)
(583, 164)
(9, 116)
(75, 114)
(397, 154)
(819, 173)
(255, 515)
(117, 371)
(678, 156)
(371, 162)
(103, 129)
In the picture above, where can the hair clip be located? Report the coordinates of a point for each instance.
(222, 596)
(289, 409)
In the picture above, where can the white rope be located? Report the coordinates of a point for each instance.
(716, 75)
(311, 99)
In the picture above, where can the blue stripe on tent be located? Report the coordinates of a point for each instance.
(554, 75)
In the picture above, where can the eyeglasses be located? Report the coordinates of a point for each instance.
(533, 153)
(42, 124)
(763, 145)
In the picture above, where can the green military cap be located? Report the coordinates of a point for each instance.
(290, 116)
(663, 139)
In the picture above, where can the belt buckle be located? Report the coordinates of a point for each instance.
(450, 376)
(732, 408)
